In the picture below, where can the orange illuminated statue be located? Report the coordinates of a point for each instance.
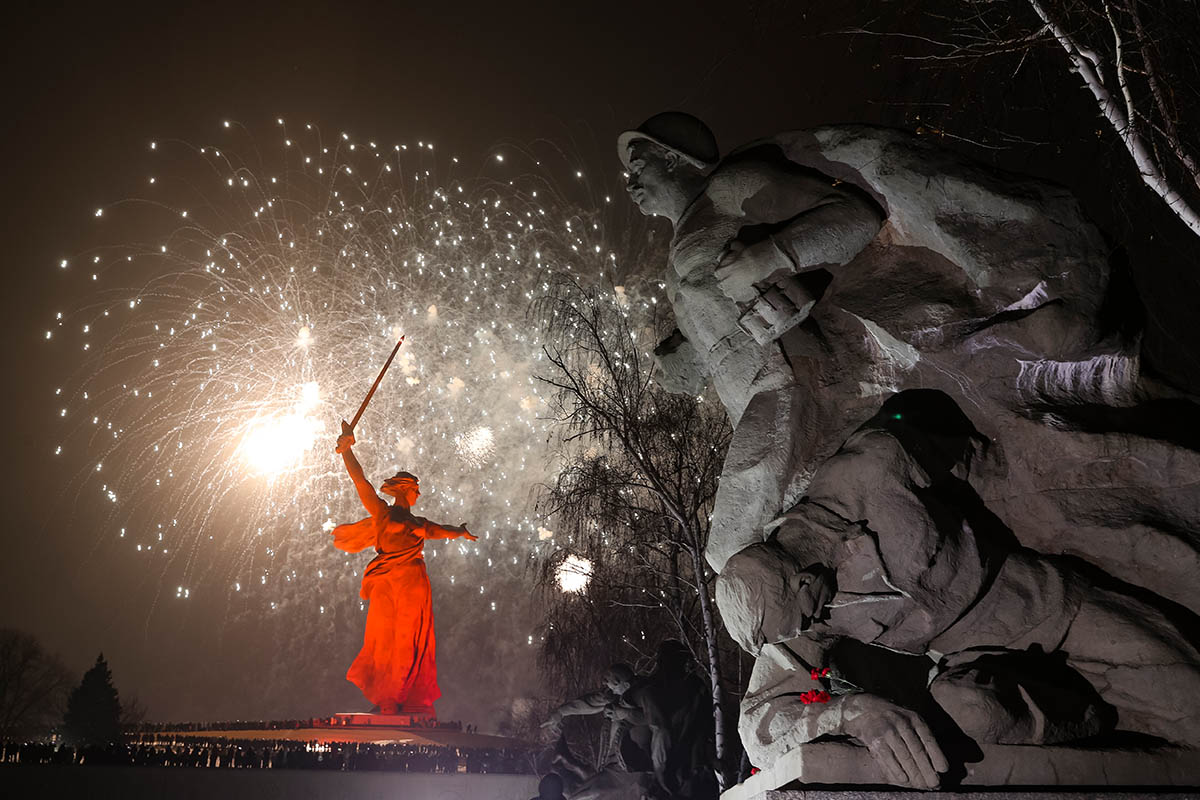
(395, 668)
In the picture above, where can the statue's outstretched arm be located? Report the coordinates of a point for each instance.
(434, 530)
(592, 703)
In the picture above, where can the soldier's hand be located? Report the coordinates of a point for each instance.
(732, 252)
(897, 738)
(344, 442)
(741, 267)
(466, 534)
(779, 308)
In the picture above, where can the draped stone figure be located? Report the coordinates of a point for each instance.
(396, 668)
(891, 548)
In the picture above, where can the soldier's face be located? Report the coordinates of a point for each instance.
(811, 591)
(649, 177)
(616, 685)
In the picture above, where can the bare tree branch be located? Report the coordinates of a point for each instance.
(1086, 63)
(638, 474)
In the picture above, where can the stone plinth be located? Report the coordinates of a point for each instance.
(1061, 794)
(842, 765)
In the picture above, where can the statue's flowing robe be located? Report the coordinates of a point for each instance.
(396, 668)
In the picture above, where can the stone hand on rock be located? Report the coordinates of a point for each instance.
(897, 738)
(466, 534)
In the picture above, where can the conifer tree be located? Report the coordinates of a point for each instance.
(93, 708)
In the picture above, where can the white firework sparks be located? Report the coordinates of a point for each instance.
(574, 574)
(211, 364)
(476, 446)
(208, 397)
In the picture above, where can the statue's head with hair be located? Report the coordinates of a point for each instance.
(619, 678)
(766, 596)
(400, 485)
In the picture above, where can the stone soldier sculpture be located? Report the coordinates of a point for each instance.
(816, 272)
(891, 548)
(660, 726)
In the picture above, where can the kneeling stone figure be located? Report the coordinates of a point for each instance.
(891, 547)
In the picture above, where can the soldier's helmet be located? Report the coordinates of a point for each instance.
(678, 132)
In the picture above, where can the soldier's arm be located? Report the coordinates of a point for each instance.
(592, 703)
(798, 221)
(775, 719)
(800, 226)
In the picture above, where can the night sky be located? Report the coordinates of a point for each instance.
(86, 88)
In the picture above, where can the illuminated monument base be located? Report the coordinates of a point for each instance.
(404, 719)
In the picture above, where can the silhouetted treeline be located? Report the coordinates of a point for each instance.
(33, 685)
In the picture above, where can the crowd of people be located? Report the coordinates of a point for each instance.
(274, 754)
(286, 724)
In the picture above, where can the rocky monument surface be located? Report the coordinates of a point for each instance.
(958, 526)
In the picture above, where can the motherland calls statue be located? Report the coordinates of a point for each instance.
(396, 668)
(817, 273)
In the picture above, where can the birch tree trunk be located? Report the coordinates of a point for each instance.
(709, 621)
(1122, 117)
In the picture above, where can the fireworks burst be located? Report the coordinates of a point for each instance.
(477, 445)
(220, 353)
(574, 574)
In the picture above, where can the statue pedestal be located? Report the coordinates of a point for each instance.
(405, 719)
(829, 764)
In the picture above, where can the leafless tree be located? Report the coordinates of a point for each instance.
(1137, 58)
(638, 473)
(33, 685)
(1121, 63)
(133, 712)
